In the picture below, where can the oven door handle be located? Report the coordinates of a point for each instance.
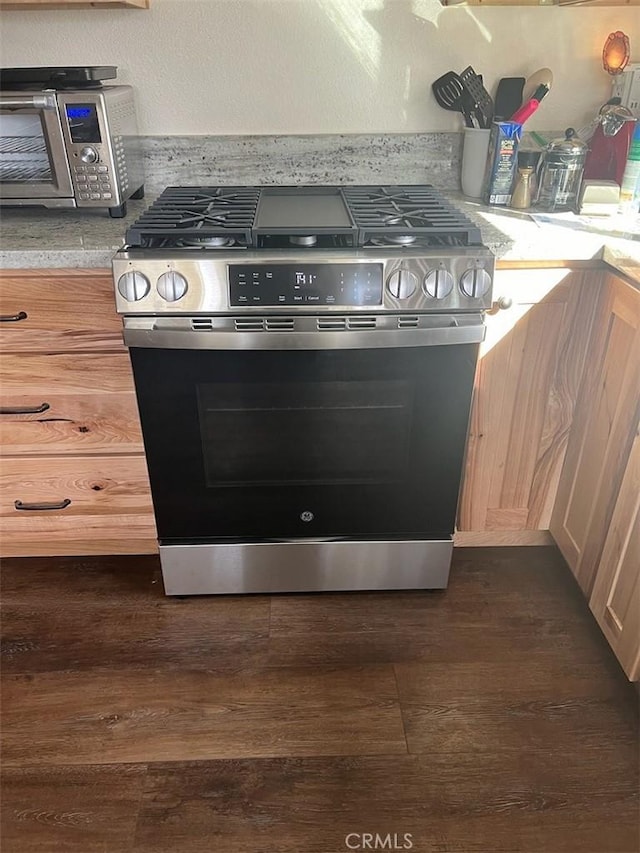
(152, 333)
(41, 101)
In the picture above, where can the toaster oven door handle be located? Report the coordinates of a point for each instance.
(156, 337)
(41, 101)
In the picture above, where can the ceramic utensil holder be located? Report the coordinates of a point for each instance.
(474, 159)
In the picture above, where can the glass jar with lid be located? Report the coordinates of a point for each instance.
(561, 174)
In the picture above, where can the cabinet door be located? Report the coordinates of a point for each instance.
(602, 433)
(615, 600)
(75, 505)
(58, 312)
(68, 403)
(525, 391)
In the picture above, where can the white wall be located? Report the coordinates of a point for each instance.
(321, 66)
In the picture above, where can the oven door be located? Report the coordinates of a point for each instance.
(280, 435)
(33, 160)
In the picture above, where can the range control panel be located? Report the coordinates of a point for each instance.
(351, 285)
(159, 282)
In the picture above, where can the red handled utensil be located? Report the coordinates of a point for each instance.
(529, 108)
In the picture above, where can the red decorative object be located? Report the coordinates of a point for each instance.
(615, 53)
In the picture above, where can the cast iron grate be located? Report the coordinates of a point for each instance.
(409, 214)
(197, 215)
(224, 217)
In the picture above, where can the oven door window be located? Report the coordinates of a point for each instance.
(305, 433)
(257, 445)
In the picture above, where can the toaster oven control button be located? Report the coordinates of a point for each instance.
(402, 283)
(475, 283)
(133, 286)
(172, 286)
(89, 155)
(438, 283)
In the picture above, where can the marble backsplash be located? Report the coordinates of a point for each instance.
(432, 158)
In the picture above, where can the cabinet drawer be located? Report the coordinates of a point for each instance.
(106, 500)
(77, 404)
(58, 312)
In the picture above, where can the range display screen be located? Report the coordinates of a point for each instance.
(83, 122)
(306, 284)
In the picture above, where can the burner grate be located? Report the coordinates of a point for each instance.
(217, 217)
(420, 214)
(197, 214)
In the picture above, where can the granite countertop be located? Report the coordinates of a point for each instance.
(47, 239)
(67, 238)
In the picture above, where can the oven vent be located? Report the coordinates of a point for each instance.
(280, 324)
(331, 324)
(408, 322)
(249, 324)
(361, 322)
(202, 324)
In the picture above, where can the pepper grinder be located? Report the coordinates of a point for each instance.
(524, 190)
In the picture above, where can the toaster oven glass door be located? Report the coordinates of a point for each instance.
(33, 160)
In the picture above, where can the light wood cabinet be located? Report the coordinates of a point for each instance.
(615, 599)
(105, 506)
(526, 388)
(58, 312)
(596, 521)
(73, 477)
(76, 403)
(602, 433)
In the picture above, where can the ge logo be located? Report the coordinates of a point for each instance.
(306, 515)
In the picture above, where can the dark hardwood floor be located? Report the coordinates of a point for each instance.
(488, 718)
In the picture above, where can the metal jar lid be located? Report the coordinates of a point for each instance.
(569, 144)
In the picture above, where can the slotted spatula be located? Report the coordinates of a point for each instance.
(482, 100)
(451, 95)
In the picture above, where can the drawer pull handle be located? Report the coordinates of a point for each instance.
(63, 504)
(13, 318)
(24, 410)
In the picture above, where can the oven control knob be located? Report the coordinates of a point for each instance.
(89, 155)
(438, 283)
(475, 283)
(172, 286)
(133, 286)
(402, 283)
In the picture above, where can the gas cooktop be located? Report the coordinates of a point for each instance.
(311, 217)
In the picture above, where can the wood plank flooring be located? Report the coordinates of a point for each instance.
(488, 718)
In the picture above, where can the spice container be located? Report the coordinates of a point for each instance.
(562, 172)
(524, 189)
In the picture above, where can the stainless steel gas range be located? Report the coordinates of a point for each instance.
(303, 360)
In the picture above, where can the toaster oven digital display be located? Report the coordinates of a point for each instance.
(83, 123)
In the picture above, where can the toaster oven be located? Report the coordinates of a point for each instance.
(68, 147)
